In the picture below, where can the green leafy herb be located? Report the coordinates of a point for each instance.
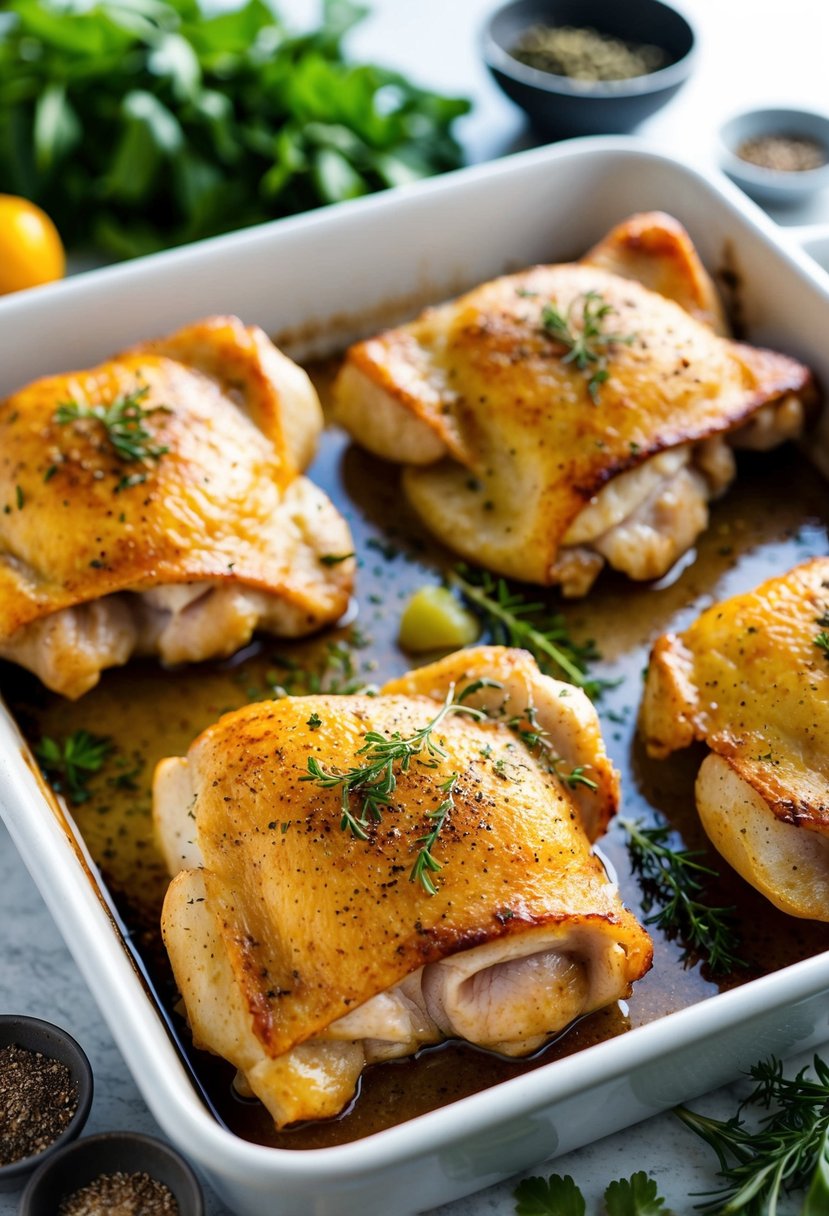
(21, 498)
(139, 124)
(123, 421)
(69, 765)
(334, 559)
(538, 740)
(587, 344)
(374, 782)
(511, 620)
(425, 861)
(822, 642)
(314, 722)
(336, 675)
(554, 1196)
(634, 1196)
(789, 1149)
(672, 883)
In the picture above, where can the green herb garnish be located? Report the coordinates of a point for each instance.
(374, 782)
(559, 1196)
(822, 642)
(140, 124)
(425, 861)
(588, 345)
(334, 559)
(536, 739)
(672, 882)
(123, 421)
(69, 765)
(511, 620)
(788, 1151)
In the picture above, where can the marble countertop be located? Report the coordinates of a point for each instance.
(748, 55)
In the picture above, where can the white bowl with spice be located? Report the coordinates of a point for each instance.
(45, 1094)
(777, 155)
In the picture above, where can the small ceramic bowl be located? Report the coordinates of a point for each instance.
(774, 185)
(560, 107)
(79, 1164)
(36, 1035)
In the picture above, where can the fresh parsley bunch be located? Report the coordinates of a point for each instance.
(138, 124)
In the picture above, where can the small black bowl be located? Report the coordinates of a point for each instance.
(33, 1034)
(560, 107)
(112, 1152)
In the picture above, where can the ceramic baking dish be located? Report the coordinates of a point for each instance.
(315, 282)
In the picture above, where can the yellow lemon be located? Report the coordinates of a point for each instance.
(30, 248)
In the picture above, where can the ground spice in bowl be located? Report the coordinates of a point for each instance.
(120, 1194)
(586, 54)
(783, 153)
(38, 1098)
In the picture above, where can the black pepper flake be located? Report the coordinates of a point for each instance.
(38, 1098)
(125, 1194)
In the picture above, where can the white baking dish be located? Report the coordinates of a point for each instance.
(318, 281)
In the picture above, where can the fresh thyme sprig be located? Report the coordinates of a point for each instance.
(375, 781)
(123, 421)
(425, 861)
(69, 765)
(538, 740)
(822, 642)
(789, 1149)
(672, 881)
(589, 345)
(511, 620)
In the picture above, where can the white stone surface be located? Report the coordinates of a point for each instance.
(751, 52)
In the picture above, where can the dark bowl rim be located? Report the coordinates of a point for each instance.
(142, 1142)
(497, 57)
(81, 1071)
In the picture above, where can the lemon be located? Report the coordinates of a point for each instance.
(433, 619)
(30, 247)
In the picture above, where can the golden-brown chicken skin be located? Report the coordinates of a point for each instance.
(303, 951)
(184, 550)
(750, 679)
(523, 461)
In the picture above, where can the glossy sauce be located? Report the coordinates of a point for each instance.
(769, 521)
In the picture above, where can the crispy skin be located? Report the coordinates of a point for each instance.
(315, 922)
(748, 680)
(223, 506)
(502, 444)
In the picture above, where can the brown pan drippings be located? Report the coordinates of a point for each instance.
(768, 522)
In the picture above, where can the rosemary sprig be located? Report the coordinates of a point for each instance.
(672, 881)
(68, 766)
(375, 781)
(589, 345)
(425, 861)
(511, 620)
(789, 1149)
(123, 421)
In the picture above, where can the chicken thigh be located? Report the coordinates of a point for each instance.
(308, 933)
(750, 679)
(153, 505)
(568, 416)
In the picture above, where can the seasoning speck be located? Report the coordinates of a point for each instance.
(120, 1194)
(38, 1098)
(586, 54)
(783, 153)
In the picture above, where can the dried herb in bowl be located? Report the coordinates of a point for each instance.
(783, 153)
(586, 54)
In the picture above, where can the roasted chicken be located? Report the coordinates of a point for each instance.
(750, 679)
(309, 933)
(153, 505)
(569, 416)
